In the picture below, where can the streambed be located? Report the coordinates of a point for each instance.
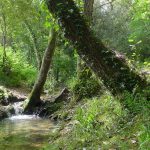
(24, 132)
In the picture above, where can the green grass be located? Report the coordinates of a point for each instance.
(107, 123)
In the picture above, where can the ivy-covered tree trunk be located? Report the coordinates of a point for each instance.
(88, 12)
(34, 98)
(114, 71)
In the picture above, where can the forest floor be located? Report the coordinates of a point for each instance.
(101, 122)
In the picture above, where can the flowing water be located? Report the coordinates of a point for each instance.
(24, 132)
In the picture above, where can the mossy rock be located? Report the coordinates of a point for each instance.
(50, 108)
(6, 111)
(87, 85)
(6, 97)
(2, 95)
(3, 113)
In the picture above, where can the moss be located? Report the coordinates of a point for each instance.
(3, 113)
(49, 108)
(87, 85)
(115, 72)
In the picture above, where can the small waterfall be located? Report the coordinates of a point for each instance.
(18, 107)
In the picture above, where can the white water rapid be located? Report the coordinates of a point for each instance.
(18, 107)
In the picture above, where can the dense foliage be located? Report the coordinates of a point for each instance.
(93, 119)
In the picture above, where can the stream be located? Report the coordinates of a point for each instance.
(24, 132)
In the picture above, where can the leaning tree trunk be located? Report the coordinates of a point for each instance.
(34, 98)
(88, 13)
(88, 10)
(111, 68)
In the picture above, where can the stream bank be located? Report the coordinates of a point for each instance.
(7, 99)
(22, 131)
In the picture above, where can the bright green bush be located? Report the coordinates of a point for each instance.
(140, 29)
(20, 72)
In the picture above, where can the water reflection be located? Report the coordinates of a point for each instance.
(24, 133)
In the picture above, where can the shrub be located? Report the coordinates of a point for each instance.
(20, 71)
(86, 85)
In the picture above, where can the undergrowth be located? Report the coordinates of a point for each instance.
(106, 123)
(17, 71)
(86, 85)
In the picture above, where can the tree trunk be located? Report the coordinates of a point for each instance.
(88, 12)
(4, 31)
(34, 39)
(108, 65)
(34, 98)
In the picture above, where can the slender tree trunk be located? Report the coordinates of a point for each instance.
(109, 66)
(4, 31)
(34, 98)
(34, 39)
(4, 48)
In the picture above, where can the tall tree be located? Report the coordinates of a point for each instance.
(35, 46)
(34, 98)
(112, 24)
(4, 31)
(88, 12)
(108, 65)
